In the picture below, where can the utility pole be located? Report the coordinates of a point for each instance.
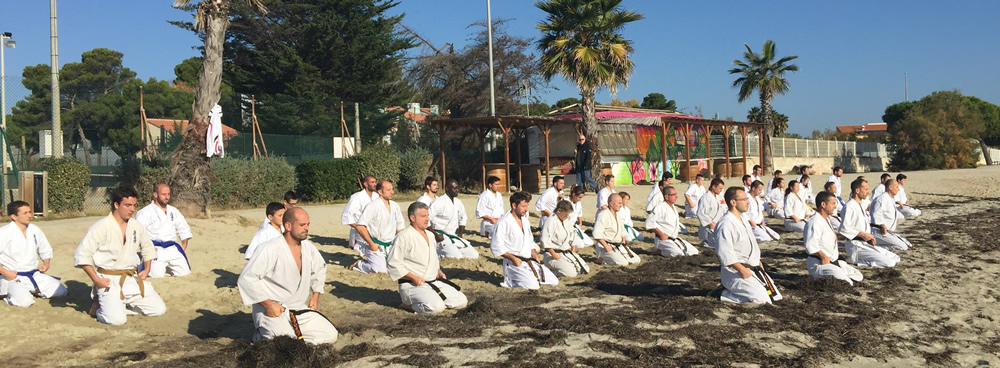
(357, 129)
(57, 137)
(489, 33)
(906, 90)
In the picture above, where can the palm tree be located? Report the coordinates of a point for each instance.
(761, 73)
(189, 176)
(581, 40)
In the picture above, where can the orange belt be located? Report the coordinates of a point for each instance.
(121, 281)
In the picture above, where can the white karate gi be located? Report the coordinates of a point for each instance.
(835, 179)
(21, 252)
(695, 192)
(559, 235)
(105, 247)
(820, 236)
(856, 220)
(776, 196)
(264, 234)
(426, 199)
(447, 215)
(411, 252)
(794, 206)
(382, 224)
(736, 244)
(631, 234)
(879, 189)
(654, 198)
(754, 178)
(517, 240)
(547, 201)
(581, 239)
(491, 205)
(666, 219)
(272, 274)
(905, 209)
(610, 227)
(352, 213)
(807, 194)
(884, 213)
(602, 199)
(755, 213)
(710, 209)
(166, 227)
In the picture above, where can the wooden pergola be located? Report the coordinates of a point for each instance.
(685, 123)
(516, 125)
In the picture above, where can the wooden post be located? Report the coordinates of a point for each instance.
(546, 128)
(708, 149)
(506, 153)
(760, 142)
(725, 130)
(482, 152)
(518, 134)
(743, 132)
(663, 145)
(440, 129)
(687, 150)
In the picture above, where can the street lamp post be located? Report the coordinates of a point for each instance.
(5, 42)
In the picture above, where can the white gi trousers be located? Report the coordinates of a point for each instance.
(675, 247)
(315, 328)
(359, 243)
(524, 277)
(374, 262)
(620, 255)
(834, 222)
(455, 247)
(21, 292)
(170, 261)
(113, 310)
(890, 241)
(908, 211)
(750, 290)
(765, 233)
(707, 235)
(580, 238)
(795, 227)
(631, 234)
(424, 300)
(838, 269)
(486, 228)
(774, 212)
(863, 254)
(568, 265)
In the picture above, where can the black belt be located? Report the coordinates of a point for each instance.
(576, 262)
(618, 245)
(764, 278)
(433, 287)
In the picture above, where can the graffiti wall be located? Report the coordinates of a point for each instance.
(648, 165)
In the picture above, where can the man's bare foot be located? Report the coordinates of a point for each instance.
(351, 267)
(93, 310)
(406, 307)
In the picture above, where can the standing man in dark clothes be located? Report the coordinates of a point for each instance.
(584, 154)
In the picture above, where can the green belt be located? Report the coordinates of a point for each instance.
(385, 245)
(578, 231)
(453, 238)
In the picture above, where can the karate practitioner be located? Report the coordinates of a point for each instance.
(861, 246)
(522, 266)
(431, 186)
(413, 263)
(447, 221)
(352, 212)
(743, 276)
(166, 225)
(710, 211)
(489, 208)
(580, 238)
(604, 193)
(774, 200)
(693, 195)
(22, 245)
(631, 234)
(796, 211)
(755, 175)
(283, 281)
(885, 217)
(609, 232)
(655, 195)
(777, 174)
(806, 190)
(290, 200)
(546, 203)
(379, 223)
(665, 223)
(835, 215)
(755, 215)
(837, 173)
(902, 203)
(821, 244)
(880, 188)
(747, 182)
(109, 254)
(558, 242)
(274, 211)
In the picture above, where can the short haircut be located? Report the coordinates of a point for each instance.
(777, 172)
(577, 190)
(666, 190)
(661, 183)
(745, 177)
(564, 206)
(823, 196)
(366, 177)
(900, 177)
(557, 178)
(856, 184)
(430, 180)
(829, 186)
(667, 175)
(120, 193)
(381, 184)
(289, 216)
(717, 181)
(12, 207)
(290, 196)
(519, 197)
(755, 167)
(156, 187)
(624, 195)
(491, 180)
(700, 175)
(526, 194)
(273, 208)
(837, 168)
(884, 176)
(412, 209)
(889, 182)
(731, 194)
(756, 183)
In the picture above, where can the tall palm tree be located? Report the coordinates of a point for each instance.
(189, 176)
(765, 75)
(581, 40)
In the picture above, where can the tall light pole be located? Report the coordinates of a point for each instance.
(489, 42)
(5, 42)
(57, 137)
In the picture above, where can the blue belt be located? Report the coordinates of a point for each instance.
(167, 244)
(31, 276)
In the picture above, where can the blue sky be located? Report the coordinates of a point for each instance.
(852, 54)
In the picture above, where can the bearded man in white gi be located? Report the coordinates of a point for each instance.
(109, 254)
(447, 220)
(352, 212)
(283, 281)
(166, 225)
(22, 245)
(655, 195)
(861, 246)
(609, 234)
(665, 223)
(380, 221)
(431, 185)
(693, 195)
(743, 276)
(522, 266)
(413, 263)
(546, 203)
(489, 208)
(710, 211)
(885, 217)
(821, 244)
(755, 215)
(274, 212)
(903, 203)
(837, 173)
(558, 238)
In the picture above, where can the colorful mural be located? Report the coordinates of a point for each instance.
(648, 165)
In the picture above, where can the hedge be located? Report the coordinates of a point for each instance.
(325, 180)
(414, 165)
(243, 182)
(379, 160)
(68, 181)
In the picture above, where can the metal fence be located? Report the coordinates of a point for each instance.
(792, 147)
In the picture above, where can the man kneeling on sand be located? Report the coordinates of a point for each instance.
(743, 276)
(413, 262)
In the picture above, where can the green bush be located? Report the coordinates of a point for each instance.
(243, 182)
(414, 165)
(325, 180)
(68, 181)
(379, 160)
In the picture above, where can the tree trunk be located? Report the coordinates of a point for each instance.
(765, 109)
(986, 152)
(589, 112)
(189, 177)
(83, 142)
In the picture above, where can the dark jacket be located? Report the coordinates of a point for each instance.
(584, 155)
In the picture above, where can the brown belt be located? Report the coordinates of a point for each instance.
(121, 281)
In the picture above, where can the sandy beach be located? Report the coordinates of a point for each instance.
(937, 308)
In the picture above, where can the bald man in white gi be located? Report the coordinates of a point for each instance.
(166, 226)
(885, 217)
(448, 220)
(413, 263)
(861, 246)
(609, 234)
(743, 276)
(380, 221)
(512, 240)
(665, 223)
